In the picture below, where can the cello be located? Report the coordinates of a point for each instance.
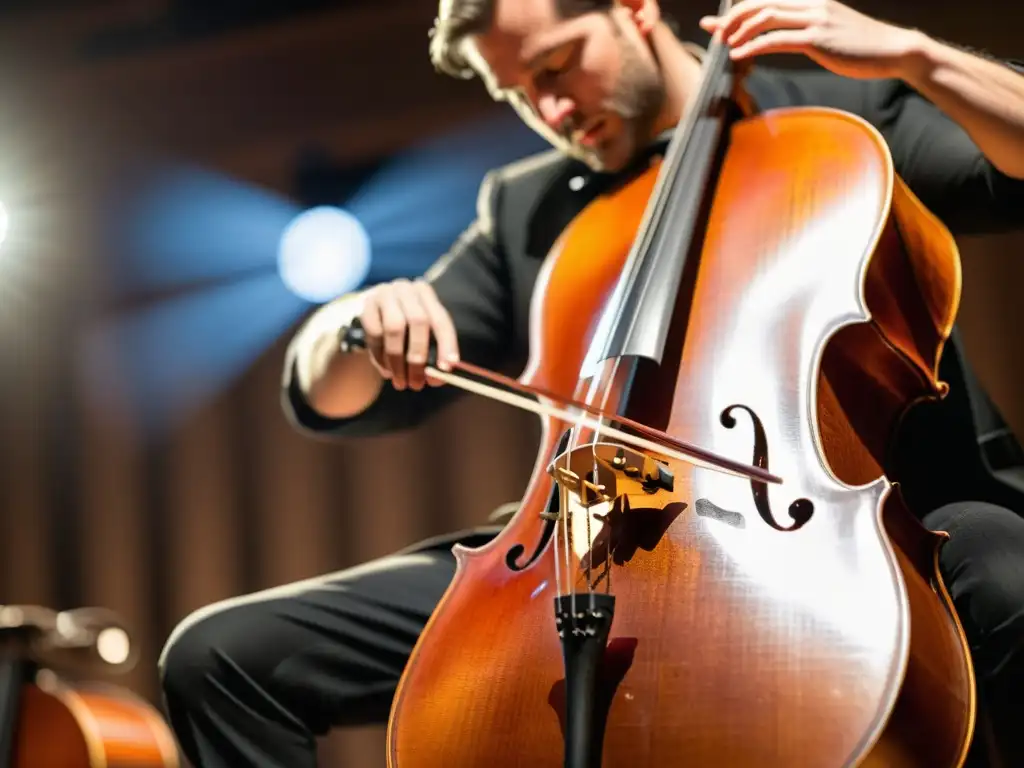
(47, 720)
(709, 566)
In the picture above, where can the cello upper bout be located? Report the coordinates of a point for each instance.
(882, 273)
(871, 371)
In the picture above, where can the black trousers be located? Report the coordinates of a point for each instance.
(252, 681)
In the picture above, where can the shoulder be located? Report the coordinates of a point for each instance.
(529, 175)
(511, 196)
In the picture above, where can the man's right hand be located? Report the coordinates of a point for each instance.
(399, 319)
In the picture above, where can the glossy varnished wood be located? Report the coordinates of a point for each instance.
(823, 295)
(90, 727)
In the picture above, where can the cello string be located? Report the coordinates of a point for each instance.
(588, 514)
(608, 564)
(586, 509)
(570, 574)
(597, 427)
(601, 425)
(562, 500)
(608, 519)
(570, 579)
(566, 538)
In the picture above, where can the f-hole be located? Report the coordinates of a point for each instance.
(801, 510)
(516, 551)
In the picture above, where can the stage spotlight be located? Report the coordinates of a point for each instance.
(3, 223)
(324, 253)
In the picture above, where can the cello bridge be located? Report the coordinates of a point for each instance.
(599, 473)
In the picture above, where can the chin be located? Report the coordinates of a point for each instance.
(613, 157)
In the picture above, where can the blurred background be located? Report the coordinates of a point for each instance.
(159, 162)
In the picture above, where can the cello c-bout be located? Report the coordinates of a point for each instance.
(641, 611)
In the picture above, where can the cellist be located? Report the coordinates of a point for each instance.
(253, 681)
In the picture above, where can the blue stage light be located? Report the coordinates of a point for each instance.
(324, 253)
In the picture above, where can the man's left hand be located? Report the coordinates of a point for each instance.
(835, 36)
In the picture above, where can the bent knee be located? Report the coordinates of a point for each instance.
(202, 645)
(187, 655)
(983, 566)
(235, 642)
(985, 546)
(973, 519)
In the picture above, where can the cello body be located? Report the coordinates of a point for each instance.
(82, 726)
(799, 624)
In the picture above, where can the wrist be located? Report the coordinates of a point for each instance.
(919, 57)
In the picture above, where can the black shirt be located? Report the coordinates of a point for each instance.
(486, 280)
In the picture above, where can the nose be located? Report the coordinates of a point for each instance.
(554, 110)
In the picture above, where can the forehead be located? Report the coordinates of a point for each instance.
(519, 30)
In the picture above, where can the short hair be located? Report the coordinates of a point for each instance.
(458, 19)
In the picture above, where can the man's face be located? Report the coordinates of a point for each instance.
(589, 84)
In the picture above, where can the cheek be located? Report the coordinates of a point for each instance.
(588, 91)
(597, 75)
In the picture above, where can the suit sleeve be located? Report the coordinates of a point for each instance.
(472, 282)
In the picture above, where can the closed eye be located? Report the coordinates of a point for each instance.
(556, 63)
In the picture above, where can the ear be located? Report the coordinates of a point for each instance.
(645, 13)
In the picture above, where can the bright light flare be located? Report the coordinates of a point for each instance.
(324, 253)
